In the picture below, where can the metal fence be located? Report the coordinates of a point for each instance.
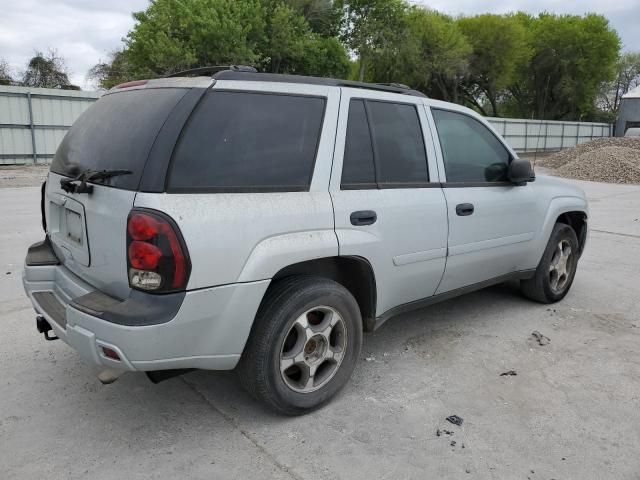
(546, 135)
(33, 121)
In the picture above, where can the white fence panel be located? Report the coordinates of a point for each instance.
(33, 122)
(547, 135)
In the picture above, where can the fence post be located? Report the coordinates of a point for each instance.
(33, 132)
(546, 134)
(577, 133)
(562, 137)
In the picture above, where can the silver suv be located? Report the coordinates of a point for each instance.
(264, 222)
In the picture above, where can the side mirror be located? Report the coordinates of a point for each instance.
(520, 171)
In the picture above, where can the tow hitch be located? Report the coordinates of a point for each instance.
(43, 327)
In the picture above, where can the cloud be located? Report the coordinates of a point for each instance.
(82, 31)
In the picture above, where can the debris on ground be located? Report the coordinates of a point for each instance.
(610, 159)
(443, 432)
(455, 419)
(453, 443)
(540, 338)
(509, 373)
(370, 359)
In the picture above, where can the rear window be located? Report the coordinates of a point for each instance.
(116, 133)
(245, 141)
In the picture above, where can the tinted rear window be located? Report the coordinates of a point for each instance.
(241, 141)
(117, 132)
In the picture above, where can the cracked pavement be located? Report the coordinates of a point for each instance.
(572, 411)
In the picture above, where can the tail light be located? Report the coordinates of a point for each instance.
(157, 258)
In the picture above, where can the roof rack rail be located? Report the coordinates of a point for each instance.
(394, 85)
(201, 71)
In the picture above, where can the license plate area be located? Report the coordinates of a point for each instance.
(68, 229)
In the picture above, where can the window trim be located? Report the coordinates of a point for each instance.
(376, 164)
(245, 189)
(447, 183)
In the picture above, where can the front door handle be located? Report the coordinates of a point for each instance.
(464, 209)
(363, 217)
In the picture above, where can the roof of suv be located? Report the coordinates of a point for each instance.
(250, 74)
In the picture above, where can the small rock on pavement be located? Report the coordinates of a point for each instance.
(509, 373)
(455, 419)
(540, 338)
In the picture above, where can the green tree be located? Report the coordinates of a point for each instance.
(47, 71)
(500, 50)
(5, 73)
(323, 16)
(173, 35)
(572, 57)
(370, 25)
(429, 54)
(111, 73)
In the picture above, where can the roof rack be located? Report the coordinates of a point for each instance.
(248, 73)
(202, 71)
(252, 76)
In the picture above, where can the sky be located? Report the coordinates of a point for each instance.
(83, 32)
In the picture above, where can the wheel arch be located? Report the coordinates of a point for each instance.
(577, 220)
(352, 272)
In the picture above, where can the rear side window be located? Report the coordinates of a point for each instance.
(243, 142)
(117, 132)
(384, 146)
(398, 143)
(471, 152)
(358, 169)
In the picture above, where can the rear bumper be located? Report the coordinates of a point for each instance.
(208, 330)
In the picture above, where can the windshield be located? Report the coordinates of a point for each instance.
(116, 133)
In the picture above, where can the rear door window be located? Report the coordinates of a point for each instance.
(398, 144)
(358, 170)
(384, 147)
(117, 132)
(246, 141)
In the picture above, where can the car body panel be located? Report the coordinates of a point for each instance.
(418, 248)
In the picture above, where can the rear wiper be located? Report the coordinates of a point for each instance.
(88, 175)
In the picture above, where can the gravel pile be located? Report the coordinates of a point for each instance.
(613, 160)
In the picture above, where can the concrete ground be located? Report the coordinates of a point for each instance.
(572, 411)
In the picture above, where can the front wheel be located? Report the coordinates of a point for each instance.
(304, 344)
(557, 268)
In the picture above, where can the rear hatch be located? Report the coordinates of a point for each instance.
(88, 230)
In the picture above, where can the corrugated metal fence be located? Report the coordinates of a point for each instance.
(33, 122)
(546, 135)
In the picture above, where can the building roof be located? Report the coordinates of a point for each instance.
(633, 93)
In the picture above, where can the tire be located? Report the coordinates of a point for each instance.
(295, 360)
(553, 278)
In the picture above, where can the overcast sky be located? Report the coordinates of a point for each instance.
(85, 31)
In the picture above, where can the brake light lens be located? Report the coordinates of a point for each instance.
(144, 256)
(157, 257)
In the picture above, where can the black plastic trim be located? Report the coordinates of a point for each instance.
(425, 302)
(477, 184)
(140, 309)
(156, 168)
(41, 254)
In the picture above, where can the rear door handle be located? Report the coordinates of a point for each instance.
(464, 209)
(363, 217)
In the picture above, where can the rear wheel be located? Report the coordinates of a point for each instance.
(304, 345)
(557, 268)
